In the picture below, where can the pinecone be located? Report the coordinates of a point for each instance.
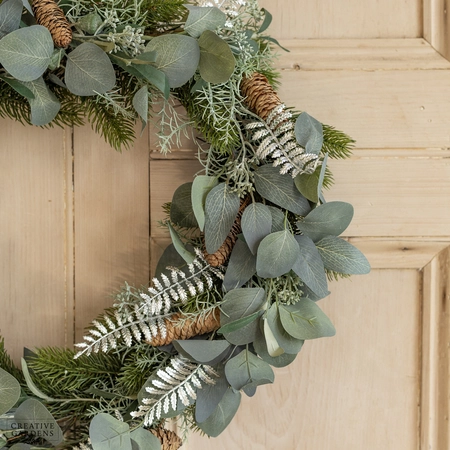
(169, 439)
(260, 95)
(221, 255)
(51, 16)
(189, 328)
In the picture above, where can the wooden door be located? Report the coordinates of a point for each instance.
(75, 218)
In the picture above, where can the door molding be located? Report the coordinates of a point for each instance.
(436, 25)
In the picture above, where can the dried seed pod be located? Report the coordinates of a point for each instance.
(177, 329)
(260, 95)
(169, 439)
(51, 16)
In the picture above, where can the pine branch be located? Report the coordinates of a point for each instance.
(276, 140)
(179, 381)
(7, 364)
(145, 320)
(336, 143)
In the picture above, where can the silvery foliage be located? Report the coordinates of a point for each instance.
(275, 138)
(178, 381)
(146, 318)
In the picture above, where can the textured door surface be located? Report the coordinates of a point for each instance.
(75, 219)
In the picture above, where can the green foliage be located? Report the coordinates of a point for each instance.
(336, 143)
(162, 14)
(7, 364)
(9, 391)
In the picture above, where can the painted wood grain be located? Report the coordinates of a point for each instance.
(358, 389)
(436, 25)
(331, 19)
(111, 222)
(34, 190)
(360, 54)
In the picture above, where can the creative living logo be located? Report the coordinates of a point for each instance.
(36, 428)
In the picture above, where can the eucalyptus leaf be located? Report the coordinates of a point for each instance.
(341, 256)
(201, 186)
(30, 383)
(278, 219)
(221, 209)
(90, 23)
(145, 440)
(277, 254)
(152, 75)
(108, 433)
(177, 56)
(260, 345)
(21, 446)
(239, 323)
(331, 218)
(44, 106)
(256, 224)
(288, 343)
(9, 389)
(305, 320)
(27, 6)
(209, 397)
(241, 266)
(201, 351)
(170, 258)
(140, 104)
(202, 18)
(222, 415)
(280, 189)
(33, 413)
(308, 293)
(181, 211)
(310, 184)
(179, 246)
(145, 58)
(10, 15)
(267, 21)
(246, 368)
(89, 71)
(240, 303)
(25, 53)
(18, 87)
(309, 133)
(3, 442)
(273, 347)
(309, 266)
(217, 62)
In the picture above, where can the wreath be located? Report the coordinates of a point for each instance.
(254, 241)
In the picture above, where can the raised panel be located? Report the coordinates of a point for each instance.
(34, 237)
(331, 19)
(111, 221)
(356, 390)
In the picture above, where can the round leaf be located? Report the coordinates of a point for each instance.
(222, 415)
(241, 267)
(202, 18)
(305, 320)
(280, 189)
(217, 61)
(106, 433)
(10, 15)
(309, 266)
(9, 391)
(309, 133)
(201, 351)
(240, 303)
(140, 103)
(89, 71)
(328, 219)
(25, 53)
(277, 254)
(282, 360)
(342, 257)
(145, 440)
(181, 212)
(44, 105)
(33, 413)
(177, 56)
(256, 224)
(246, 368)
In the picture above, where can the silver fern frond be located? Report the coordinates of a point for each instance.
(275, 138)
(145, 319)
(179, 381)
